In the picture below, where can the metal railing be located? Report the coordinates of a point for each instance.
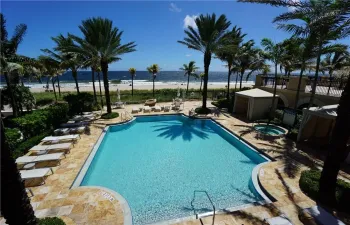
(324, 85)
(211, 202)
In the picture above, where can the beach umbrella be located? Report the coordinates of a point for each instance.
(118, 94)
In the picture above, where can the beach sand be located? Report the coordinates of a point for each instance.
(114, 87)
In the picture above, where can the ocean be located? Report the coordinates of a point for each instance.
(142, 78)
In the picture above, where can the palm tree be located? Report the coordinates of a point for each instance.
(68, 60)
(9, 54)
(208, 39)
(104, 40)
(98, 70)
(16, 207)
(153, 69)
(273, 52)
(51, 68)
(201, 76)
(334, 61)
(229, 53)
(290, 60)
(190, 70)
(132, 72)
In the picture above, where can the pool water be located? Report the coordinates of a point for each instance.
(157, 162)
(270, 129)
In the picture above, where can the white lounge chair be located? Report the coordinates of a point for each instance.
(157, 109)
(279, 220)
(71, 124)
(167, 108)
(77, 130)
(146, 109)
(177, 105)
(42, 158)
(56, 139)
(135, 110)
(42, 149)
(323, 217)
(35, 173)
(83, 118)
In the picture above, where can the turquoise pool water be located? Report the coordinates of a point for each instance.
(270, 130)
(157, 162)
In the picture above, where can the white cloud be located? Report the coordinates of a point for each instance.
(190, 21)
(173, 7)
(188, 55)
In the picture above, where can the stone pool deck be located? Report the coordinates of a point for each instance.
(95, 205)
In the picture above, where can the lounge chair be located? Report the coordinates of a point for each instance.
(146, 109)
(177, 105)
(42, 158)
(57, 139)
(35, 173)
(135, 110)
(61, 131)
(322, 217)
(42, 149)
(71, 124)
(279, 220)
(167, 108)
(77, 130)
(80, 118)
(157, 109)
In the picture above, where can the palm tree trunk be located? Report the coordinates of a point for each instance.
(59, 87)
(200, 87)
(298, 91)
(16, 207)
(104, 67)
(132, 85)
(241, 79)
(316, 77)
(274, 96)
(93, 83)
(228, 84)
(188, 82)
(54, 89)
(236, 81)
(75, 76)
(338, 150)
(153, 84)
(99, 83)
(13, 100)
(330, 81)
(207, 59)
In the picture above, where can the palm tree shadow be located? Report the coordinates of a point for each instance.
(185, 130)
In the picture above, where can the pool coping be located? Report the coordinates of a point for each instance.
(125, 206)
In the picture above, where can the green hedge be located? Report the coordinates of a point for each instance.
(309, 184)
(222, 103)
(23, 147)
(41, 120)
(201, 110)
(82, 102)
(110, 115)
(51, 221)
(13, 137)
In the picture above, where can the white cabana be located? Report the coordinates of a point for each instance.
(317, 122)
(255, 103)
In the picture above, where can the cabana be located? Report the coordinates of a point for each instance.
(318, 122)
(255, 103)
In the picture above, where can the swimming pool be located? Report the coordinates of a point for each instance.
(157, 162)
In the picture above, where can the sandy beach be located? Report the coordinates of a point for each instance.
(114, 87)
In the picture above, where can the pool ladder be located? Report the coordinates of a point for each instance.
(204, 214)
(125, 116)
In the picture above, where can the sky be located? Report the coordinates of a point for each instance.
(155, 26)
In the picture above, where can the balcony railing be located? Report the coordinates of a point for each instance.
(324, 85)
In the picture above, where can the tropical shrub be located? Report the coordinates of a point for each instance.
(24, 98)
(44, 101)
(222, 103)
(82, 102)
(110, 115)
(13, 137)
(51, 221)
(309, 184)
(23, 147)
(41, 120)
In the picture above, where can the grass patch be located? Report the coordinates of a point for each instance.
(201, 110)
(310, 184)
(51, 221)
(108, 116)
